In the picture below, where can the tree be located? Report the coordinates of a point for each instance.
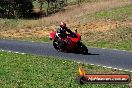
(41, 2)
(6, 8)
(24, 7)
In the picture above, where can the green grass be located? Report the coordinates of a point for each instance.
(8, 23)
(30, 71)
(73, 2)
(42, 39)
(117, 13)
(122, 14)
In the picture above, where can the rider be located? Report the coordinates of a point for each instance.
(62, 30)
(61, 33)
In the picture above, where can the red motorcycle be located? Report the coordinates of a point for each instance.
(70, 43)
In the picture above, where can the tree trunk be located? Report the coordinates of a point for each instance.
(48, 8)
(79, 2)
(40, 5)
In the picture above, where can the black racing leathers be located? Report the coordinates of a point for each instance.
(62, 33)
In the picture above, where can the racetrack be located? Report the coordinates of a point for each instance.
(104, 57)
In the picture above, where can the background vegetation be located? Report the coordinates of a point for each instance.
(26, 8)
(106, 25)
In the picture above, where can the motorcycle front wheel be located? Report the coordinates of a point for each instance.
(56, 46)
(81, 48)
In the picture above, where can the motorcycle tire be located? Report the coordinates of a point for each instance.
(81, 48)
(55, 44)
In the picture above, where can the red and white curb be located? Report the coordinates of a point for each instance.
(75, 61)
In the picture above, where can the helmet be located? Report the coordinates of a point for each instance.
(63, 24)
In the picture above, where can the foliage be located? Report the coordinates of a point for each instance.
(16, 8)
(24, 7)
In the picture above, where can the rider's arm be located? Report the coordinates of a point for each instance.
(69, 31)
(72, 33)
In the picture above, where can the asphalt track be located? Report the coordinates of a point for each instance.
(104, 57)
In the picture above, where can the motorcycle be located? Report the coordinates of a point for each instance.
(70, 44)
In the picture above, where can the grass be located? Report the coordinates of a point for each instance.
(120, 38)
(26, 71)
(121, 14)
(73, 2)
(8, 23)
(118, 13)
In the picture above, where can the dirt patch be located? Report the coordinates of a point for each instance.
(26, 33)
(100, 26)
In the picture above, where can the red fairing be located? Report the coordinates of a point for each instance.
(76, 39)
(52, 35)
(71, 41)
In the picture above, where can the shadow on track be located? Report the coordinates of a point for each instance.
(92, 54)
(83, 54)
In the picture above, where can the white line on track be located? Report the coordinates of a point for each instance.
(126, 70)
(115, 68)
(104, 66)
(9, 51)
(17, 52)
(120, 69)
(109, 67)
(91, 64)
(2, 50)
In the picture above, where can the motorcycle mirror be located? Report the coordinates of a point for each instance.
(76, 31)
